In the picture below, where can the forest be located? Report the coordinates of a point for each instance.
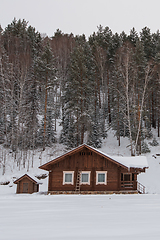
(105, 81)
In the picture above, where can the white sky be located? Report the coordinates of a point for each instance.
(82, 16)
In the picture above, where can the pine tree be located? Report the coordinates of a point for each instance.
(45, 72)
(101, 43)
(133, 37)
(146, 39)
(94, 138)
(79, 91)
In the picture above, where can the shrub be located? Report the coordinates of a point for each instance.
(145, 148)
(154, 142)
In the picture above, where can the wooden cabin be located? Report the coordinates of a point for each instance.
(27, 184)
(87, 170)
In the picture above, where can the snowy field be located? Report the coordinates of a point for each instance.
(78, 217)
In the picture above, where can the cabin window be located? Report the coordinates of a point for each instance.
(68, 177)
(101, 177)
(85, 177)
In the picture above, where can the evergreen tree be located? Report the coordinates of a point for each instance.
(79, 90)
(146, 39)
(133, 36)
(45, 72)
(94, 138)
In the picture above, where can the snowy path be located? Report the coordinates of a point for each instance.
(68, 217)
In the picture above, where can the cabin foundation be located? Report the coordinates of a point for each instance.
(92, 192)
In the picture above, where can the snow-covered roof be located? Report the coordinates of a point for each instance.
(132, 162)
(30, 176)
(128, 162)
(34, 178)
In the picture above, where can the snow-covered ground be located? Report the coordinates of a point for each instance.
(66, 217)
(70, 217)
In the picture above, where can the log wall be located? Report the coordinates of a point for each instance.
(87, 160)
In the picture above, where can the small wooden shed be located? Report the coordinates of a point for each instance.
(27, 184)
(88, 170)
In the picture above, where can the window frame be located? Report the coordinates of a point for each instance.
(89, 174)
(69, 172)
(101, 172)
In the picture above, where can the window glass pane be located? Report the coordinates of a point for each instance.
(84, 177)
(101, 177)
(68, 177)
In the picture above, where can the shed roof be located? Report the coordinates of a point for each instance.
(126, 162)
(32, 178)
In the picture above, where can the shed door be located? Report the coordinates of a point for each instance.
(36, 187)
(25, 187)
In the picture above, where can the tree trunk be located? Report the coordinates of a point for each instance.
(142, 104)
(45, 112)
(108, 94)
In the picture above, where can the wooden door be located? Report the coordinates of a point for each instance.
(25, 187)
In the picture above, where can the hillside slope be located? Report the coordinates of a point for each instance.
(150, 179)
